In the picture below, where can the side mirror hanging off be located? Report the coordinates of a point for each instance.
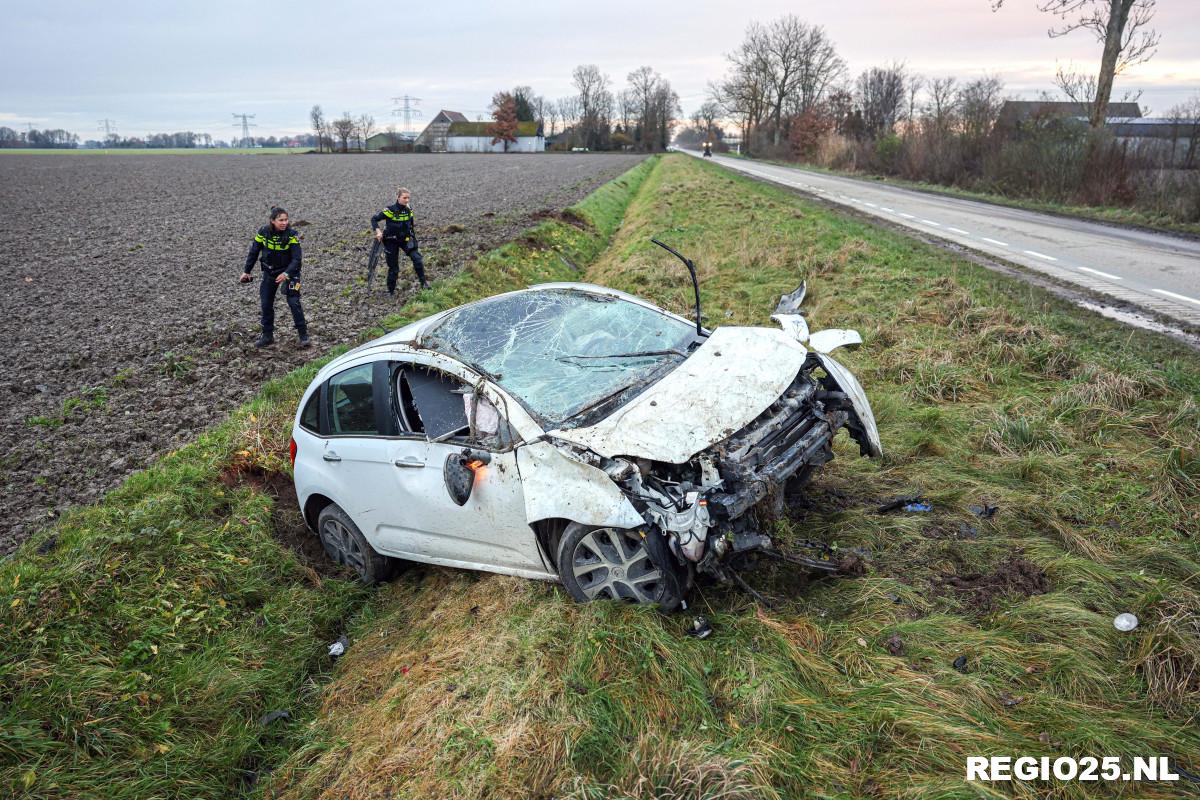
(459, 473)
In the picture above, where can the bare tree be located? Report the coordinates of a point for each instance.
(317, 116)
(366, 126)
(943, 102)
(595, 102)
(1121, 26)
(343, 128)
(881, 95)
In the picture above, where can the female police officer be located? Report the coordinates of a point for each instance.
(398, 234)
(277, 246)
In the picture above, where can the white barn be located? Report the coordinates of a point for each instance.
(451, 132)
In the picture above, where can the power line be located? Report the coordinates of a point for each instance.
(246, 126)
(109, 127)
(408, 110)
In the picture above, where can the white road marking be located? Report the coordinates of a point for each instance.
(958, 230)
(994, 241)
(1036, 254)
(1182, 297)
(907, 216)
(931, 222)
(1102, 274)
(885, 208)
(872, 205)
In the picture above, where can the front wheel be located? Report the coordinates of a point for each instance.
(345, 544)
(612, 564)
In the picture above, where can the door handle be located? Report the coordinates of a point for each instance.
(329, 455)
(409, 463)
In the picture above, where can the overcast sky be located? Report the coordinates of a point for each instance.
(168, 66)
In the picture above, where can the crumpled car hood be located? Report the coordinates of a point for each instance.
(721, 387)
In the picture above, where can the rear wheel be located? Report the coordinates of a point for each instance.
(611, 564)
(345, 544)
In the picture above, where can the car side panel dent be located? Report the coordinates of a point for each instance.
(559, 487)
(831, 339)
(858, 400)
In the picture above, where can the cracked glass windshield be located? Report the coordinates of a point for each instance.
(563, 352)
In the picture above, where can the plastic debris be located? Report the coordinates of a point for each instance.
(1125, 622)
(274, 716)
(899, 502)
(338, 647)
(918, 507)
(700, 628)
(960, 664)
(984, 510)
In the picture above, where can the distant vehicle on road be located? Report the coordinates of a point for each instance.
(573, 433)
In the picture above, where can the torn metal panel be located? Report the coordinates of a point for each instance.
(858, 399)
(558, 487)
(831, 339)
(731, 379)
(794, 325)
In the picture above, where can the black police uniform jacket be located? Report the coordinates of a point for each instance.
(277, 250)
(399, 228)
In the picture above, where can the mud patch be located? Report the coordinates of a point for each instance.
(287, 523)
(568, 216)
(1015, 576)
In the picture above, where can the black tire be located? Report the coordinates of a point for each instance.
(344, 544)
(612, 564)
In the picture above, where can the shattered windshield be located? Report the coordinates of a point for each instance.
(563, 352)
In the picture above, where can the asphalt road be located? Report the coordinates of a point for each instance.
(1153, 271)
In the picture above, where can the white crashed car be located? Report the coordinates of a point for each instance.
(573, 433)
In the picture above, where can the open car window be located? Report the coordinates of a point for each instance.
(430, 402)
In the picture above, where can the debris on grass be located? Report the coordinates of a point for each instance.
(700, 628)
(960, 664)
(339, 647)
(984, 510)
(1125, 622)
(900, 502)
(274, 716)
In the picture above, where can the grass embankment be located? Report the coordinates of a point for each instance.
(1113, 215)
(143, 640)
(1084, 433)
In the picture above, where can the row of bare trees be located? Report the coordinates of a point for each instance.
(640, 116)
(345, 131)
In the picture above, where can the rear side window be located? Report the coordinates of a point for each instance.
(310, 419)
(352, 402)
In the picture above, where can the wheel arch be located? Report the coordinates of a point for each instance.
(314, 504)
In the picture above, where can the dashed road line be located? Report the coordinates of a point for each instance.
(1036, 254)
(872, 205)
(958, 230)
(994, 241)
(907, 216)
(1182, 297)
(1102, 274)
(931, 222)
(885, 208)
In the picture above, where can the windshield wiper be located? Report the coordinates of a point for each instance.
(638, 354)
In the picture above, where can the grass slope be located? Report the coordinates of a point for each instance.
(144, 639)
(1084, 433)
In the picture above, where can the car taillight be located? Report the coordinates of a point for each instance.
(292, 450)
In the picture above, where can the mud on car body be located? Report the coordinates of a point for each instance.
(570, 432)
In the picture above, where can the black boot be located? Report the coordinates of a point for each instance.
(304, 342)
(265, 340)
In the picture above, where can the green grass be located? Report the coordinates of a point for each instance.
(144, 638)
(1109, 214)
(1085, 433)
(153, 151)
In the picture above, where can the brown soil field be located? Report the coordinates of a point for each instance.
(124, 331)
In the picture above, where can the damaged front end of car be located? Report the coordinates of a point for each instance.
(701, 506)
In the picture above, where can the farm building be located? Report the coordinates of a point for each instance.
(389, 141)
(1016, 113)
(452, 132)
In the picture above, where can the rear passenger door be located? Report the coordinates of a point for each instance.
(355, 455)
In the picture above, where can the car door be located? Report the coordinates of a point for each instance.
(355, 457)
(490, 531)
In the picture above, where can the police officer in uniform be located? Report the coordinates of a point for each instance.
(277, 247)
(399, 235)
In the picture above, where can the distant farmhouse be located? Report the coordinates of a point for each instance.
(452, 132)
(1172, 141)
(390, 141)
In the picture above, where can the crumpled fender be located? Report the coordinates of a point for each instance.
(858, 400)
(559, 487)
(794, 325)
(831, 339)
